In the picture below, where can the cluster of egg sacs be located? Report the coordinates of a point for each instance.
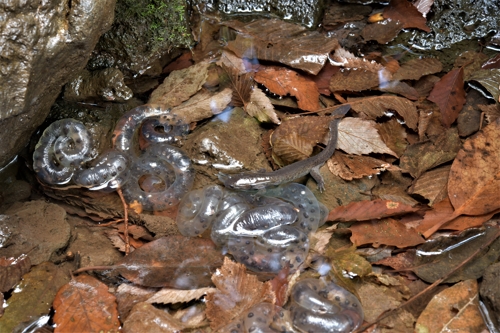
(155, 178)
(315, 306)
(264, 231)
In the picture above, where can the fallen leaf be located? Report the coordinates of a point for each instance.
(393, 193)
(437, 257)
(351, 167)
(12, 270)
(230, 60)
(322, 80)
(347, 79)
(449, 95)
(489, 79)
(280, 286)
(405, 12)
(339, 13)
(174, 261)
(368, 210)
(359, 136)
(491, 112)
(383, 32)
(399, 88)
(349, 261)
(287, 43)
(384, 232)
(394, 135)
(471, 62)
(128, 294)
(168, 296)
(414, 69)
(423, 6)
(144, 317)
(432, 185)
(424, 156)
(36, 293)
(283, 81)
(236, 293)
(180, 85)
(455, 309)
(203, 105)
(379, 106)
(260, 107)
(85, 305)
(492, 63)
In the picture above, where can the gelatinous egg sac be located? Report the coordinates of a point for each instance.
(265, 232)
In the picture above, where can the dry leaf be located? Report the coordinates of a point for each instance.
(144, 317)
(432, 184)
(12, 270)
(236, 293)
(283, 81)
(455, 309)
(405, 12)
(449, 94)
(368, 210)
(414, 69)
(180, 85)
(168, 296)
(85, 305)
(374, 107)
(287, 43)
(351, 167)
(384, 232)
(359, 136)
(491, 112)
(260, 107)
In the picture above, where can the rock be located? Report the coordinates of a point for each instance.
(105, 84)
(43, 46)
(143, 32)
(490, 291)
(37, 227)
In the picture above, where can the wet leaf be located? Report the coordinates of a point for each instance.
(168, 296)
(287, 43)
(230, 60)
(491, 112)
(322, 80)
(180, 85)
(347, 260)
(424, 6)
(85, 305)
(260, 107)
(432, 184)
(439, 256)
(128, 294)
(347, 79)
(405, 12)
(399, 88)
(490, 80)
(280, 286)
(236, 293)
(203, 105)
(384, 232)
(174, 261)
(383, 32)
(368, 210)
(36, 293)
(351, 167)
(12, 270)
(359, 136)
(424, 156)
(283, 81)
(144, 317)
(394, 135)
(414, 69)
(455, 309)
(492, 63)
(374, 107)
(449, 95)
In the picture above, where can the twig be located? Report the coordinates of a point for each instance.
(125, 220)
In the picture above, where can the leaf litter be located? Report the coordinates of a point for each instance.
(408, 184)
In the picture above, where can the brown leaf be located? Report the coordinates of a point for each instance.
(400, 88)
(374, 107)
(432, 184)
(144, 317)
(128, 294)
(203, 105)
(322, 80)
(180, 85)
(471, 62)
(405, 12)
(351, 167)
(414, 69)
(394, 135)
(12, 270)
(424, 156)
(368, 210)
(423, 6)
(174, 261)
(347, 79)
(449, 94)
(260, 107)
(455, 309)
(85, 305)
(383, 32)
(236, 293)
(490, 80)
(491, 63)
(287, 43)
(36, 293)
(384, 232)
(359, 136)
(280, 286)
(168, 296)
(283, 81)
(491, 112)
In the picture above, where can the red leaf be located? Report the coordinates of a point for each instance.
(387, 232)
(367, 210)
(405, 12)
(449, 95)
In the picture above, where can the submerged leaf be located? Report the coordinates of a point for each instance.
(359, 136)
(260, 107)
(369, 209)
(405, 12)
(12, 270)
(384, 232)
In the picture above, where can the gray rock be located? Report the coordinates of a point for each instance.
(37, 227)
(41, 47)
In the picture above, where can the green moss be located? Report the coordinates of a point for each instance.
(164, 21)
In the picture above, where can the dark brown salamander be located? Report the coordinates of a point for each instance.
(261, 180)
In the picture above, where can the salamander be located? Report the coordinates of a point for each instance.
(260, 180)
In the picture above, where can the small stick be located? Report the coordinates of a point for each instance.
(125, 220)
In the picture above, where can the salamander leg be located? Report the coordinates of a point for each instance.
(318, 177)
